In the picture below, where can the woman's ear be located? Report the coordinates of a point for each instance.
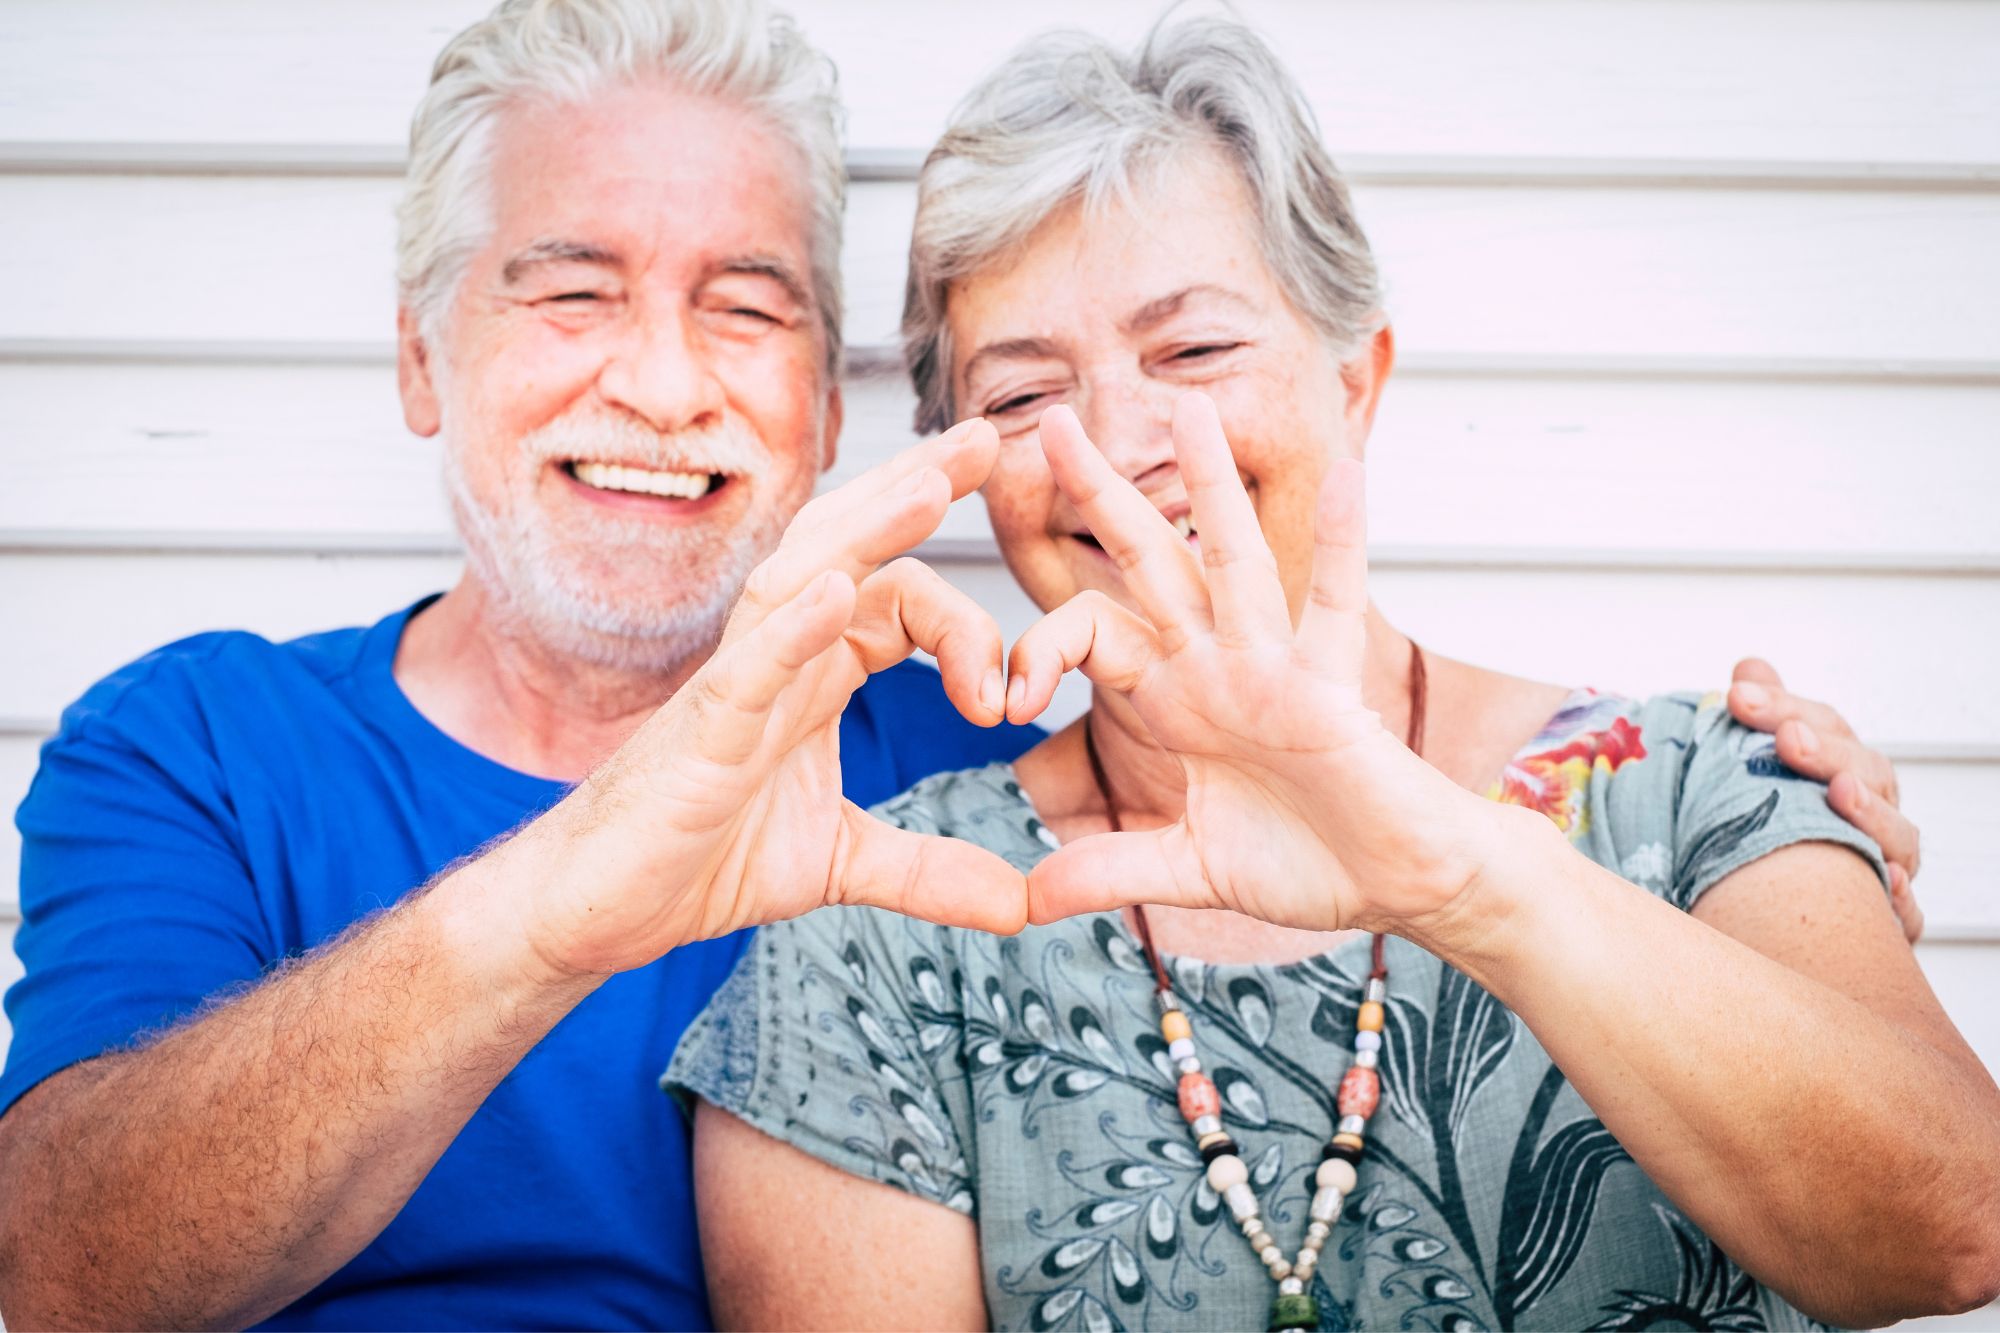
(1364, 374)
(414, 380)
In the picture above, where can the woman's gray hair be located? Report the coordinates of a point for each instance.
(566, 50)
(1069, 118)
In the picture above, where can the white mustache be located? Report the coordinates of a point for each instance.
(728, 447)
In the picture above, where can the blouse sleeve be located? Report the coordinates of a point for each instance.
(841, 1033)
(1737, 802)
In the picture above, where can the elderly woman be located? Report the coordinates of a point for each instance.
(1643, 1046)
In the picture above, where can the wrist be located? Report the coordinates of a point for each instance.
(1512, 851)
(486, 912)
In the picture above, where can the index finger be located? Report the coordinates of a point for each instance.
(875, 517)
(1156, 564)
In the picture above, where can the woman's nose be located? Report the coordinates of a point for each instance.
(1131, 425)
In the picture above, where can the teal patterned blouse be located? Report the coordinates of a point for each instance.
(1024, 1082)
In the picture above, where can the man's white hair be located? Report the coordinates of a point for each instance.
(565, 50)
(1070, 118)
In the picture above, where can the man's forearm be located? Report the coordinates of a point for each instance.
(221, 1172)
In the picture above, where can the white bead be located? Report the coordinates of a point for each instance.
(1271, 1255)
(1334, 1174)
(1317, 1232)
(1242, 1200)
(1291, 1286)
(1188, 1066)
(1353, 1124)
(1181, 1048)
(1367, 1041)
(1227, 1170)
(1308, 1260)
(1376, 991)
(1325, 1205)
(1207, 1124)
(1251, 1225)
(1367, 1059)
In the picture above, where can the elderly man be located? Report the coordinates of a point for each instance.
(257, 1074)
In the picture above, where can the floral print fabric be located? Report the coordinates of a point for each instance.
(1024, 1082)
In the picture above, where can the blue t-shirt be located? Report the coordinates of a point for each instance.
(226, 802)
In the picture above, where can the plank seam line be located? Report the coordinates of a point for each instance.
(874, 361)
(894, 164)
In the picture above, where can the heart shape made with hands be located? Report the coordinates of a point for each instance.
(1301, 809)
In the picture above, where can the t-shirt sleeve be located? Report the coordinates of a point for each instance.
(136, 904)
(1738, 801)
(842, 1034)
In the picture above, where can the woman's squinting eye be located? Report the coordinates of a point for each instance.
(1013, 404)
(1200, 350)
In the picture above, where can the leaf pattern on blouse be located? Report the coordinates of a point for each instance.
(1024, 1081)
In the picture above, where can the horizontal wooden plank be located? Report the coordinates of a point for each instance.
(1518, 272)
(1890, 81)
(1843, 638)
(1718, 473)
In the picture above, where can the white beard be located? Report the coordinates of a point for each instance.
(539, 581)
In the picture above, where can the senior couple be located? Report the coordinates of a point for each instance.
(352, 963)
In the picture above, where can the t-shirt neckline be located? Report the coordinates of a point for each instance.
(430, 745)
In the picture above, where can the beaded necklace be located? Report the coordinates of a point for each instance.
(1359, 1093)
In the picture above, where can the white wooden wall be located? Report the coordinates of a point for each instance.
(1698, 301)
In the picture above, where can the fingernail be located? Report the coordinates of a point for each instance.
(1752, 694)
(1807, 742)
(992, 691)
(1017, 690)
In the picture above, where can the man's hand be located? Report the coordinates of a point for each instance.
(1815, 740)
(725, 809)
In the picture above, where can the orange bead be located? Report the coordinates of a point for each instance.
(1348, 1141)
(1174, 1026)
(1199, 1097)
(1360, 1092)
(1371, 1017)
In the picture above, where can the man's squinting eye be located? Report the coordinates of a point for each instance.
(575, 297)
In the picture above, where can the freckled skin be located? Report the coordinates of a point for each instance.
(1284, 404)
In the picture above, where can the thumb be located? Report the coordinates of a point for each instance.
(1111, 870)
(947, 881)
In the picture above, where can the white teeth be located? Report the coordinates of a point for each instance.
(1184, 525)
(672, 485)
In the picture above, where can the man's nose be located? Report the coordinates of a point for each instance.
(1132, 425)
(661, 372)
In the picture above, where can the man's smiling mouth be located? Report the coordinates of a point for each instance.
(645, 481)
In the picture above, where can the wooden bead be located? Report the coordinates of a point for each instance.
(1360, 1092)
(1213, 1146)
(1199, 1097)
(1174, 1026)
(1370, 1019)
(1353, 1141)
(1350, 1155)
(1225, 1171)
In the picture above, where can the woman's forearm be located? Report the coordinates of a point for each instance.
(1847, 1161)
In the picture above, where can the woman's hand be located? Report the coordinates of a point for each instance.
(725, 809)
(1301, 809)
